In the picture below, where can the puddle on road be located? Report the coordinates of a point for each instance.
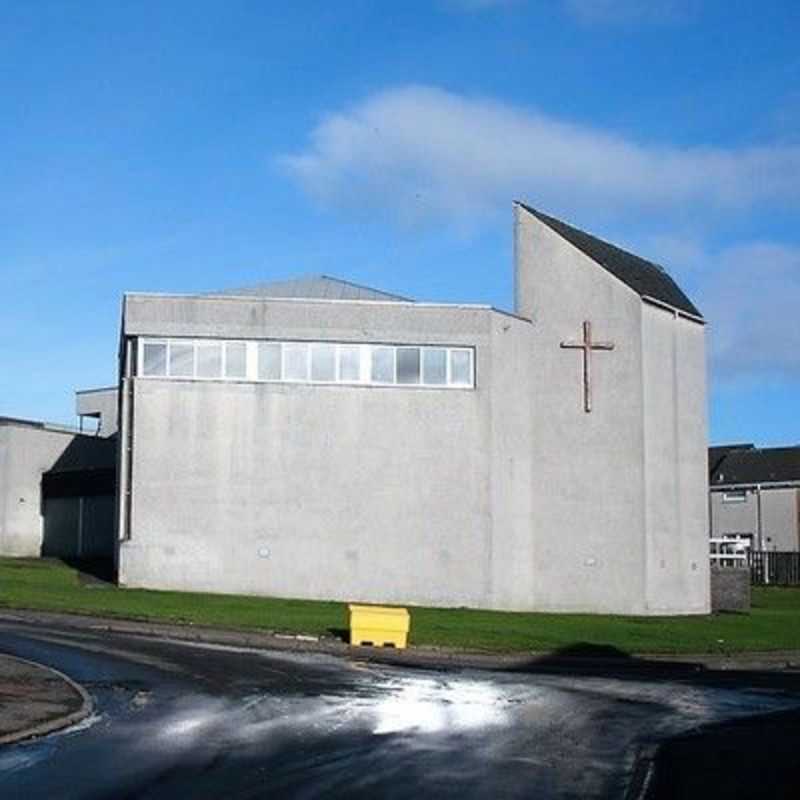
(576, 736)
(326, 729)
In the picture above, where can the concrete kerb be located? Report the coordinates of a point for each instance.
(41, 728)
(419, 657)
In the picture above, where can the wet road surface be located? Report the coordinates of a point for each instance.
(180, 720)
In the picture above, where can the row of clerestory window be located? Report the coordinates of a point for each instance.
(308, 362)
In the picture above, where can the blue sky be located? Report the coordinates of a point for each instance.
(169, 146)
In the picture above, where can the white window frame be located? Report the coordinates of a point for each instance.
(471, 383)
(140, 358)
(397, 350)
(362, 357)
(311, 347)
(252, 362)
(254, 368)
(735, 496)
(225, 376)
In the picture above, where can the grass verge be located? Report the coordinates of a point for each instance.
(774, 623)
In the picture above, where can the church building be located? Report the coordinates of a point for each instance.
(317, 439)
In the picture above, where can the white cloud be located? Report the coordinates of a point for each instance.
(623, 12)
(749, 293)
(419, 152)
(751, 297)
(423, 154)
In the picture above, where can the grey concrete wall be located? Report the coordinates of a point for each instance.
(513, 566)
(612, 489)
(397, 494)
(675, 457)
(4, 483)
(780, 513)
(25, 453)
(101, 404)
(730, 589)
(781, 518)
(508, 496)
(588, 514)
(734, 517)
(341, 320)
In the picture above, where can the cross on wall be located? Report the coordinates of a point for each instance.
(587, 346)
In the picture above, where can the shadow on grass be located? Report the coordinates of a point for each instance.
(587, 660)
(93, 570)
(342, 634)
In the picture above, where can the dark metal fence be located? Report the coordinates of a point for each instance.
(769, 567)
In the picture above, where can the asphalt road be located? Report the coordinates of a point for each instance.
(180, 720)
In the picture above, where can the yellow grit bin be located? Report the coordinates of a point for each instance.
(379, 626)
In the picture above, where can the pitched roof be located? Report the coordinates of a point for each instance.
(758, 465)
(644, 277)
(315, 287)
(716, 453)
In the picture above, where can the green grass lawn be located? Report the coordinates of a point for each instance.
(774, 623)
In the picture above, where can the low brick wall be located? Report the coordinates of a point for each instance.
(730, 589)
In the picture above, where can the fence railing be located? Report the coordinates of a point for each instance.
(774, 568)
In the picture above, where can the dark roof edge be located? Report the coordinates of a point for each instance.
(725, 487)
(566, 231)
(668, 307)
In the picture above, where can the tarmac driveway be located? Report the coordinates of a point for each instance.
(180, 720)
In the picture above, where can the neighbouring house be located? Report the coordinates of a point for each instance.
(57, 484)
(754, 496)
(318, 439)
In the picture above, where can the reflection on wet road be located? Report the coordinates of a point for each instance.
(173, 719)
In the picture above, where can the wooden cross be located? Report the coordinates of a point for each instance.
(587, 345)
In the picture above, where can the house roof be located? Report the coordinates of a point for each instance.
(716, 453)
(758, 465)
(645, 277)
(317, 287)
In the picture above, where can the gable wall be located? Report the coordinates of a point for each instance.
(588, 472)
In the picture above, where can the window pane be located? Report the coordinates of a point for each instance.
(154, 358)
(434, 365)
(383, 364)
(408, 364)
(295, 361)
(181, 359)
(349, 363)
(461, 367)
(209, 360)
(323, 362)
(269, 361)
(738, 496)
(235, 360)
